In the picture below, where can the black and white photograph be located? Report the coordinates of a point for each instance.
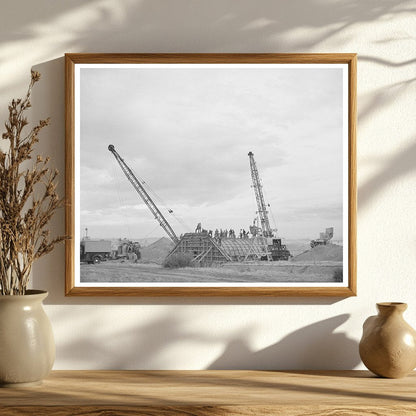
(211, 175)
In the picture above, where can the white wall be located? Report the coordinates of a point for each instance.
(199, 333)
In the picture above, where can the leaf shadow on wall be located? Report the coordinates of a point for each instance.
(396, 167)
(151, 345)
(312, 347)
(115, 347)
(402, 163)
(150, 26)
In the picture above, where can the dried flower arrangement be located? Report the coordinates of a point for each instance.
(28, 199)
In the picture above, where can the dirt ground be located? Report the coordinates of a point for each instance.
(282, 271)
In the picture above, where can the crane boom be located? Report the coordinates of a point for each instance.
(144, 195)
(261, 205)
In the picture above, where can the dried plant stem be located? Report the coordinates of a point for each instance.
(24, 216)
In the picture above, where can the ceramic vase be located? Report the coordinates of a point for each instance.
(27, 347)
(388, 345)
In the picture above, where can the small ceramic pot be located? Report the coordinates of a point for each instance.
(388, 345)
(27, 347)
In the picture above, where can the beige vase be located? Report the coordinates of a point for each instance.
(388, 344)
(27, 347)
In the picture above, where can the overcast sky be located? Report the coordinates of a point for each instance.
(187, 131)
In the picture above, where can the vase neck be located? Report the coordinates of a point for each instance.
(390, 308)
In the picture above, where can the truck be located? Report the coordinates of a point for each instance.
(95, 251)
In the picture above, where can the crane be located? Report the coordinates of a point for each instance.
(144, 195)
(261, 205)
(276, 250)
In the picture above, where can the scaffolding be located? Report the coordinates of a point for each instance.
(207, 251)
(245, 249)
(204, 249)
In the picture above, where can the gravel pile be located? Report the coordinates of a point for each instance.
(329, 252)
(156, 252)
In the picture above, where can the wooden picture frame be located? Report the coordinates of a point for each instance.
(296, 112)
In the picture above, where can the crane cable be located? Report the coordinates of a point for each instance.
(160, 200)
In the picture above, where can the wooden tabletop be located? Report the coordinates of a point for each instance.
(202, 393)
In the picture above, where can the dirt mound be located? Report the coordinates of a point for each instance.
(329, 252)
(157, 251)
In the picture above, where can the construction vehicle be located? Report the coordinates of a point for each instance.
(94, 251)
(274, 248)
(127, 248)
(324, 238)
(144, 195)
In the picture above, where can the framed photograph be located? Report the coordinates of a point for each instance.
(211, 174)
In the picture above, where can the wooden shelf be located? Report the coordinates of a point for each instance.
(202, 393)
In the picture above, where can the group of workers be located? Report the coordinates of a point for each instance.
(220, 233)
